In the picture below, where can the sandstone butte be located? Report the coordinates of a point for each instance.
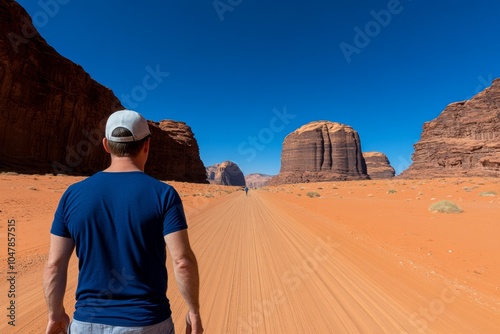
(321, 151)
(257, 180)
(226, 173)
(464, 140)
(52, 113)
(378, 166)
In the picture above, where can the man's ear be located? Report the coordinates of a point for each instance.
(146, 145)
(105, 144)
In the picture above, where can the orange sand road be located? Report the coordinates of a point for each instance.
(267, 267)
(269, 262)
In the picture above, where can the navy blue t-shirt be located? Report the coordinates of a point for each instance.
(118, 222)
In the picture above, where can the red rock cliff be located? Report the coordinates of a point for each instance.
(52, 113)
(321, 151)
(378, 165)
(463, 140)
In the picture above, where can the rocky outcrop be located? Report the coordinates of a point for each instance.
(378, 165)
(321, 151)
(464, 140)
(226, 173)
(257, 180)
(53, 114)
(176, 155)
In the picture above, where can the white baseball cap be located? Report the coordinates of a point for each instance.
(130, 120)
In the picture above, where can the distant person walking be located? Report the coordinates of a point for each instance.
(246, 191)
(119, 220)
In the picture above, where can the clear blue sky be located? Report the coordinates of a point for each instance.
(382, 67)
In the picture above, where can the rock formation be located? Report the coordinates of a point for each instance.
(257, 180)
(176, 155)
(226, 173)
(321, 151)
(53, 114)
(378, 166)
(464, 140)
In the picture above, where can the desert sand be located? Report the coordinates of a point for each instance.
(360, 257)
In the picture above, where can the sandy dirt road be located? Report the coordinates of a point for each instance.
(269, 266)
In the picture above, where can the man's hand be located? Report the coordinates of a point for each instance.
(193, 323)
(58, 325)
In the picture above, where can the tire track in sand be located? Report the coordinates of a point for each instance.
(267, 267)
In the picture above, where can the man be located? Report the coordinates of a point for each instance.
(119, 220)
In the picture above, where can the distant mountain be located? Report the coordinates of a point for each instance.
(257, 180)
(226, 173)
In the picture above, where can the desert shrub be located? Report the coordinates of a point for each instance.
(392, 191)
(313, 194)
(445, 207)
(209, 195)
(488, 193)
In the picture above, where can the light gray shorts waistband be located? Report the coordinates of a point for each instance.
(79, 327)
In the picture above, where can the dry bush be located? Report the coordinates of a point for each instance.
(445, 207)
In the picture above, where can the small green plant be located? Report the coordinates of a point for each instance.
(209, 195)
(488, 193)
(445, 207)
(391, 191)
(313, 194)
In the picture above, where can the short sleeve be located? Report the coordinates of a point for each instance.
(174, 219)
(59, 226)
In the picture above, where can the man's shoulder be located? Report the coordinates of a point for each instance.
(140, 179)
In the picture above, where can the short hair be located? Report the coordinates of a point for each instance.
(128, 149)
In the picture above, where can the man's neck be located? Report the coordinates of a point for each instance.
(124, 164)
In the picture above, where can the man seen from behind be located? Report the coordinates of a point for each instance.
(120, 222)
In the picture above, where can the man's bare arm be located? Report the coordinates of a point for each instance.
(54, 282)
(186, 275)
